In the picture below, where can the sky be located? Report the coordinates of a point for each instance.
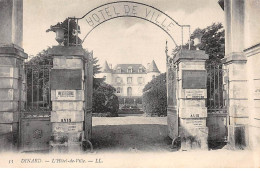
(121, 40)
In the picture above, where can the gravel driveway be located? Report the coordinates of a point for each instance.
(130, 133)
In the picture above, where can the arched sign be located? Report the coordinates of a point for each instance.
(112, 10)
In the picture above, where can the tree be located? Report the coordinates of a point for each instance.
(155, 96)
(96, 66)
(105, 100)
(212, 42)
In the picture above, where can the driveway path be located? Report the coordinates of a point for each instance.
(130, 133)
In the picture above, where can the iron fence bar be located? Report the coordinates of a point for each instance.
(214, 94)
(218, 88)
(223, 91)
(43, 85)
(26, 87)
(38, 82)
(210, 80)
(32, 89)
(49, 91)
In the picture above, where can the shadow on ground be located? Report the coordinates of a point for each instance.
(136, 137)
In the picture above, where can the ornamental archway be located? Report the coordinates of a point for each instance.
(120, 9)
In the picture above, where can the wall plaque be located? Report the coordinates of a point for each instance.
(66, 79)
(194, 79)
(66, 94)
(195, 94)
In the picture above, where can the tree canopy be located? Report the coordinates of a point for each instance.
(212, 42)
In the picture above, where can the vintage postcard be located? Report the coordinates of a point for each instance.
(129, 84)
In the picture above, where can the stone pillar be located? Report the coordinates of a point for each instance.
(235, 62)
(252, 53)
(67, 95)
(191, 98)
(237, 88)
(253, 63)
(12, 57)
(11, 22)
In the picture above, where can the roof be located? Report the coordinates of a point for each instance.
(106, 68)
(135, 68)
(153, 67)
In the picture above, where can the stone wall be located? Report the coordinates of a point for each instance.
(12, 95)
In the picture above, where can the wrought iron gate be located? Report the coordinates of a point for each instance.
(217, 93)
(35, 126)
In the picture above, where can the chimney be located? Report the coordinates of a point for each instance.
(148, 65)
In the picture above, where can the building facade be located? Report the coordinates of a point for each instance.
(129, 79)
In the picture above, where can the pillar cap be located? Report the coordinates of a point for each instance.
(192, 55)
(67, 51)
(14, 50)
(234, 57)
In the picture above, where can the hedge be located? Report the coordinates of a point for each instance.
(155, 97)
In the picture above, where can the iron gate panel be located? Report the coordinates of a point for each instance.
(172, 115)
(217, 93)
(88, 96)
(35, 125)
(35, 134)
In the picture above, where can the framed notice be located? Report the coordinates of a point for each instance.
(66, 79)
(66, 94)
(194, 79)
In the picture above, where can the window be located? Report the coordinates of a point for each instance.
(118, 80)
(140, 70)
(140, 80)
(118, 70)
(129, 70)
(129, 80)
(129, 91)
(118, 90)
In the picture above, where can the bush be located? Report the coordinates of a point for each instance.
(104, 100)
(155, 96)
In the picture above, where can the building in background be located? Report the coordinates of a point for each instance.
(129, 79)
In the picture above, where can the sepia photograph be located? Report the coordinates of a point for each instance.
(129, 84)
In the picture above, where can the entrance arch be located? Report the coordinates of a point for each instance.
(120, 9)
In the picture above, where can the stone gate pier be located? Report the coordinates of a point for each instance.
(191, 88)
(242, 59)
(68, 97)
(12, 56)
